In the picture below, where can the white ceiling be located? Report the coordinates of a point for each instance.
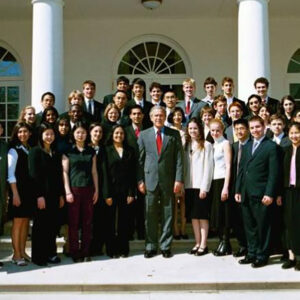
(170, 9)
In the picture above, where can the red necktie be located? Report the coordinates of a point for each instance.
(188, 108)
(158, 141)
(137, 132)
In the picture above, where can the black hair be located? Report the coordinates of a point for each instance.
(171, 115)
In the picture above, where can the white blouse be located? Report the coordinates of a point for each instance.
(219, 158)
(198, 167)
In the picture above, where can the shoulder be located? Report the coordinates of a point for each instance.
(208, 145)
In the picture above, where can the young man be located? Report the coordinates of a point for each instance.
(256, 188)
(170, 99)
(235, 113)
(122, 85)
(190, 104)
(277, 126)
(47, 100)
(76, 114)
(241, 130)
(136, 210)
(120, 99)
(138, 90)
(155, 90)
(220, 107)
(160, 176)
(261, 85)
(227, 88)
(210, 88)
(93, 107)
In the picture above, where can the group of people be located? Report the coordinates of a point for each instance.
(125, 166)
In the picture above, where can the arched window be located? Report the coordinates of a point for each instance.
(154, 58)
(10, 90)
(294, 75)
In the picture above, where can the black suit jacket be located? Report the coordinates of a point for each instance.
(258, 173)
(121, 175)
(288, 152)
(97, 116)
(108, 99)
(273, 105)
(146, 111)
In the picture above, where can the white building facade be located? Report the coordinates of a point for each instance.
(54, 45)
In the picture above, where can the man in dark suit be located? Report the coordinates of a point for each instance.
(262, 85)
(190, 104)
(122, 85)
(138, 89)
(120, 99)
(241, 129)
(227, 88)
(47, 100)
(136, 211)
(160, 176)
(255, 189)
(210, 88)
(93, 107)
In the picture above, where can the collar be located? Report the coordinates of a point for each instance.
(162, 130)
(260, 140)
(244, 142)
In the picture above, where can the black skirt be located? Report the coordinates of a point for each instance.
(292, 219)
(196, 208)
(219, 217)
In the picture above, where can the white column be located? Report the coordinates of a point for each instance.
(253, 45)
(47, 51)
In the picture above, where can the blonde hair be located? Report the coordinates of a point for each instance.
(109, 107)
(217, 121)
(75, 93)
(189, 81)
(23, 111)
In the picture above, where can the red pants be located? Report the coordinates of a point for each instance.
(80, 212)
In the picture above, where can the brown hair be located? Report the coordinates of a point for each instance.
(209, 80)
(227, 79)
(23, 111)
(200, 139)
(207, 109)
(108, 108)
(236, 104)
(89, 82)
(277, 117)
(256, 118)
(75, 93)
(219, 98)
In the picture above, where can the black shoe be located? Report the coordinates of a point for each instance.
(224, 249)
(297, 266)
(201, 251)
(258, 263)
(194, 250)
(166, 253)
(54, 260)
(40, 263)
(177, 237)
(124, 255)
(87, 259)
(247, 260)
(149, 253)
(241, 252)
(289, 264)
(1, 264)
(184, 236)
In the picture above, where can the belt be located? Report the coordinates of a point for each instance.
(292, 186)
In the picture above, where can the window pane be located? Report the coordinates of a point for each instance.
(2, 52)
(12, 111)
(2, 94)
(13, 94)
(130, 58)
(139, 51)
(178, 68)
(295, 90)
(163, 50)
(151, 48)
(2, 112)
(294, 64)
(124, 69)
(178, 89)
(10, 127)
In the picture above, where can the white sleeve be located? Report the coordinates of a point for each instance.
(12, 158)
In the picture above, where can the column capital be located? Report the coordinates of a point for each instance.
(59, 2)
(261, 1)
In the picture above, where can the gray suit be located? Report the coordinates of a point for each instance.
(195, 108)
(159, 172)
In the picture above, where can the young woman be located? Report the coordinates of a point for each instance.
(177, 118)
(121, 190)
(220, 187)
(110, 119)
(21, 195)
(50, 116)
(253, 104)
(291, 203)
(265, 113)
(81, 188)
(206, 115)
(287, 108)
(198, 162)
(102, 211)
(296, 116)
(63, 129)
(28, 116)
(46, 171)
